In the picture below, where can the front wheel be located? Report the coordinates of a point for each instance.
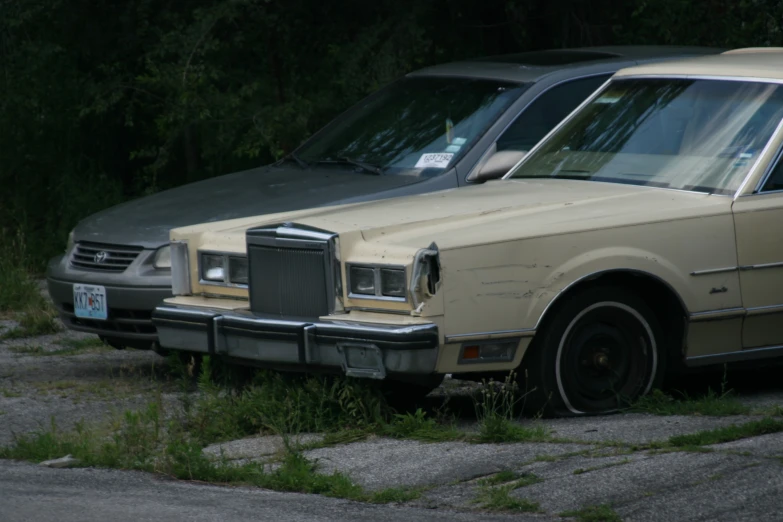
(599, 352)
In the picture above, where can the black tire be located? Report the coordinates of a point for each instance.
(597, 352)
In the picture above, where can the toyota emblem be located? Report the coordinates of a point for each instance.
(101, 257)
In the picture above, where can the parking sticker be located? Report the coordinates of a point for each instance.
(438, 160)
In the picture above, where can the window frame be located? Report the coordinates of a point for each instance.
(492, 147)
(776, 162)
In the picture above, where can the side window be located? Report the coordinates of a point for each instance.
(546, 111)
(775, 179)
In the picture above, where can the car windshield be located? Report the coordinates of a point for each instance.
(696, 135)
(416, 126)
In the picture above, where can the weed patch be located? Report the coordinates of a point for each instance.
(35, 321)
(711, 403)
(418, 426)
(496, 414)
(728, 434)
(499, 498)
(602, 513)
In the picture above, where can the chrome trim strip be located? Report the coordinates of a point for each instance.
(770, 168)
(180, 278)
(487, 336)
(752, 171)
(715, 271)
(749, 79)
(717, 315)
(764, 310)
(742, 355)
(762, 266)
(557, 127)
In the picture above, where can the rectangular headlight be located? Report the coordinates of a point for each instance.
(213, 268)
(377, 281)
(393, 282)
(237, 270)
(362, 280)
(180, 268)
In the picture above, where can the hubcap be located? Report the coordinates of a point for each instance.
(606, 358)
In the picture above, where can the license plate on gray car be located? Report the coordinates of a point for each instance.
(89, 301)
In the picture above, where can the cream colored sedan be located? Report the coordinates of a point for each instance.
(642, 234)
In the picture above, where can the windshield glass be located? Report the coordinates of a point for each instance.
(698, 135)
(416, 126)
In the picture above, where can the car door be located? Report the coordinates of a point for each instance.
(759, 235)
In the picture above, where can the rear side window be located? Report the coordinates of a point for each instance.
(775, 180)
(546, 111)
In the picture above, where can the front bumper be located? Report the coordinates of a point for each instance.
(356, 349)
(131, 296)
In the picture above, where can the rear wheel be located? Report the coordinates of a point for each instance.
(599, 352)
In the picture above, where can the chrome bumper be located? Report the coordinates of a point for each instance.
(357, 349)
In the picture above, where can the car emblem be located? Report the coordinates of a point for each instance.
(101, 257)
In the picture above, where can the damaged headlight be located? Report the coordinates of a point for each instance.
(426, 278)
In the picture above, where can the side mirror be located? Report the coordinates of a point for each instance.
(498, 165)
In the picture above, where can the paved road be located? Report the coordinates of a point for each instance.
(30, 493)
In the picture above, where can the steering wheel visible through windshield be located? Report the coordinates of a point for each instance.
(415, 126)
(687, 134)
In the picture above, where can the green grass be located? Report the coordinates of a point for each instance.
(35, 321)
(418, 426)
(499, 498)
(728, 433)
(602, 513)
(711, 403)
(9, 394)
(496, 411)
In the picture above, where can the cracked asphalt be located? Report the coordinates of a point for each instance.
(596, 464)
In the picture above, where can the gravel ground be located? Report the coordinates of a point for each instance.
(69, 378)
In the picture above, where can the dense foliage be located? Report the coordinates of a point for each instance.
(104, 101)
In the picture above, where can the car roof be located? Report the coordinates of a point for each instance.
(751, 62)
(534, 65)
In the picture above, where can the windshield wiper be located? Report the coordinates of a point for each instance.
(368, 167)
(292, 156)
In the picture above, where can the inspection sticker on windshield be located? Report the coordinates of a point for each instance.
(438, 160)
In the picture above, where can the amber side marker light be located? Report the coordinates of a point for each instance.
(470, 352)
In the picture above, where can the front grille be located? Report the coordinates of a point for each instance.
(107, 258)
(288, 281)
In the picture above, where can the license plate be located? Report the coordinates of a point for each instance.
(89, 301)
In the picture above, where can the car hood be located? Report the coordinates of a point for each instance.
(494, 212)
(147, 221)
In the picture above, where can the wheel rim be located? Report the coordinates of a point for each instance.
(606, 358)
